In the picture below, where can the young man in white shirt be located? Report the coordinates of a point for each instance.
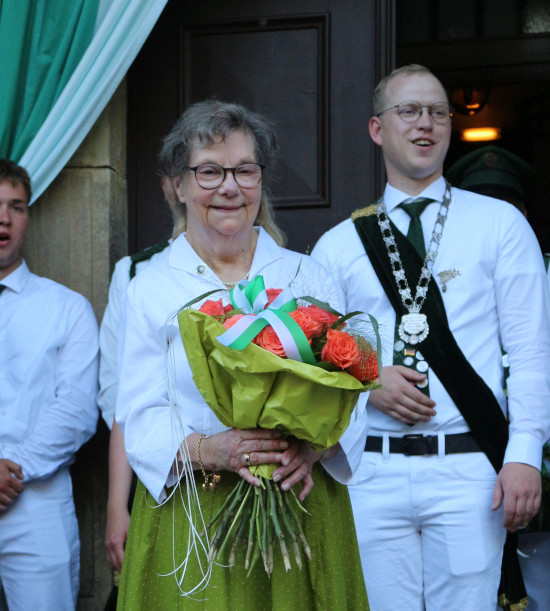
(48, 390)
(442, 476)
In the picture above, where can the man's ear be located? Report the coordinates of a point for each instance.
(176, 182)
(375, 130)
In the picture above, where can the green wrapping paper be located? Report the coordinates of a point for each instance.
(253, 388)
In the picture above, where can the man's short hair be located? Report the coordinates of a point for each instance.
(16, 175)
(378, 98)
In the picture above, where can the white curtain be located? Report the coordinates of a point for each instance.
(121, 30)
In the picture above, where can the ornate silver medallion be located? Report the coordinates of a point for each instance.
(414, 328)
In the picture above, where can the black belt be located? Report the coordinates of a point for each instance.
(421, 445)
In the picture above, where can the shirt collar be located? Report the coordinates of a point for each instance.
(393, 197)
(183, 256)
(18, 278)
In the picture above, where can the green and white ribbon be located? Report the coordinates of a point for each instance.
(251, 298)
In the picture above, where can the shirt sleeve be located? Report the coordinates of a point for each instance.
(108, 342)
(524, 312)
(352, 443)
(152, 436)
(70, 418)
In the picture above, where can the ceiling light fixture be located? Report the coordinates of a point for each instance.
(469, 101)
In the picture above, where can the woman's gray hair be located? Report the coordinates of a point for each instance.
(202, 125)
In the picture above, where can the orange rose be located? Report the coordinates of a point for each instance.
(309, 325)
(232, 320)
(340, 349)
(321, 316)
(366, 370)
(267, 339)
(272, 294)
(212, 308)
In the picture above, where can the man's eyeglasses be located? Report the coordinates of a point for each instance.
(211, 175)
(410, 112)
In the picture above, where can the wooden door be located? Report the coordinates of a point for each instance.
(310, 66)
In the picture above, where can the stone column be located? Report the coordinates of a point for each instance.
(78, 230)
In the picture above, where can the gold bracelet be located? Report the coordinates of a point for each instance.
(211, 480)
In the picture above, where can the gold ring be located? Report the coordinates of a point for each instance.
(246, 458)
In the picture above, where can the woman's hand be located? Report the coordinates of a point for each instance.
(120, 483)
(297, 462)
(229, 450)
(116, 531)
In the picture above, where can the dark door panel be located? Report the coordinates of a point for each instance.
(309, 66)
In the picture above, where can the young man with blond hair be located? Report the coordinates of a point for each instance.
(442, 477)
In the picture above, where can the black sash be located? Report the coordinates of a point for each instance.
(470, 393)
(474, 399)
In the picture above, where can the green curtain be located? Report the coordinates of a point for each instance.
(41, 43)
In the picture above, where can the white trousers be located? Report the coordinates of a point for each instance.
(39, 547)
(427, 536)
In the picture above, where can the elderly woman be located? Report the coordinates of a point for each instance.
(217, 155)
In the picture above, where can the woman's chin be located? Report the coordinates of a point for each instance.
(231, 228)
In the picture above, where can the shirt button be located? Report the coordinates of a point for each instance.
(201, 269)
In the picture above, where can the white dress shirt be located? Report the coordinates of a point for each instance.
(153, 364)
(109, 331)
(48, 373)
(498, 298)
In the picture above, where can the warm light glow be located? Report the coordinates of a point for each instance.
(480, 134)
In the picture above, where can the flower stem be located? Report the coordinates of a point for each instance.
(235, 491)
(240, 536)
(276, 525)
(235, 520)
(297, 523)
(251, 533)
(285, 520)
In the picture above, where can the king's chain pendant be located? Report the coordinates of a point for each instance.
(413, 328)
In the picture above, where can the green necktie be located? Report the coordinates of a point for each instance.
(405, 354)
(415, 235)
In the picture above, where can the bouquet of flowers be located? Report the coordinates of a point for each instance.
(266, 361)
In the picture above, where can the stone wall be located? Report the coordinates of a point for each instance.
(78, 230)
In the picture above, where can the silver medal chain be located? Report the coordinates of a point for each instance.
(414, 325)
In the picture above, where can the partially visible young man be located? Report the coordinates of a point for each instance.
(48, 391)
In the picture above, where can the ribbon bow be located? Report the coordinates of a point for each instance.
(251, 298)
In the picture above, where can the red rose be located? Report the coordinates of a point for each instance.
(232, 320)
(309, 325)
(272, 294)
(212, 308)
(267, 339)
(322, 316)
(340, 349)
(366, 370)
(228, 308)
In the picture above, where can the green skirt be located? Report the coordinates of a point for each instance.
(332, 579)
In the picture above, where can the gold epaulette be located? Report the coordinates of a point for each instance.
(367, 211)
